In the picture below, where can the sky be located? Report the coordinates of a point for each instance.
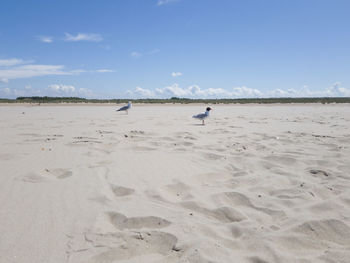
(175, 48)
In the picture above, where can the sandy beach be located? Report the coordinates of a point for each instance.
(256, 184)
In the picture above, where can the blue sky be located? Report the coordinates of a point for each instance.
(184, 48)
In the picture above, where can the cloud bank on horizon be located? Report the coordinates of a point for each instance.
(53, 90)
(336, 90)
(193, 92)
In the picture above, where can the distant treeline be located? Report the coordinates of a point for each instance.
(176, 100)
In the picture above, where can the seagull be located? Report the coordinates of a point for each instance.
(125, 108)
(202, 116)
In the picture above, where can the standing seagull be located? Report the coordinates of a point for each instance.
(202, 116)
(125, 108)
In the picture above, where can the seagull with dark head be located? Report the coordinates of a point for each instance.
(126, 108)
(202, 116)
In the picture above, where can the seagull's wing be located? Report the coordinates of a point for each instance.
(199, 116)
(123, 108)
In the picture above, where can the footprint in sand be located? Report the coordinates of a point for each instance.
(256, 259)
(127, 246)
(331, 230)
(82, 140)
(46, 175)
(33, 137)
(33, 178)
(121, 191)
(212, 156)
(222, 214)
(137, 132)
(60, 173)
(104, 132)
(180, 190)
(234, 199)
(121, 222)
(185, 135)
(318, 172)
(140, 135)
(183, 143)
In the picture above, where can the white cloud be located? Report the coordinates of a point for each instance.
(238, 92)
(141, 93)
(176, 74)
(175, 90)
(136, 54)
(69, 90)
(86, 93)
(66, 89)
(337, 90)
(164, 2)
(104, 70)
(83, 37)
(51, 90)
(12, 62)
(7, 91)
(285, 93)
(77, 71)
(45, 39)
(244, 92)
(27, 91)
(194, 91)
(28, 71)
(212, 92)
(17, 68)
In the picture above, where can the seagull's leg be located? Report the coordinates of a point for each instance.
(203, 122)
(127, 113)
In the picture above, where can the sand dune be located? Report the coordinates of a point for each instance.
(255, 184)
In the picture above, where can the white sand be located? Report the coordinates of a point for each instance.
(256, 184)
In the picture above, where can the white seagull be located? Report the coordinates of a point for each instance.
(202, 116)
(126, 108)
